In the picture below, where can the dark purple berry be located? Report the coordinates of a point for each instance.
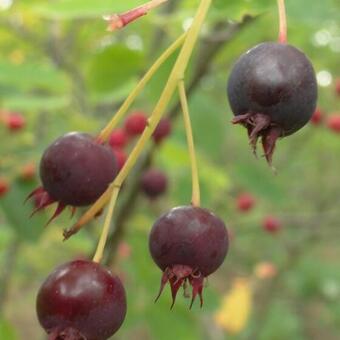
(154, 183)
(162, 130)
(188, 244)
(81, 300)
(272, 91)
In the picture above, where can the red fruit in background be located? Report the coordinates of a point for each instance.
(317, 117)
(121, 157)
(271, 224)
(28, 171)
(333, 122)
(162, 130)
(15, 121)
(188, 244)
(4, 187)
(337, 87)
(245, 202)
(135, 123)
(81, 300)
(154, 183)
(118, 138)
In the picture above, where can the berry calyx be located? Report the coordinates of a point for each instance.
(245, 202)
(333, 122)
(317, 117)
(74, 170)
(118, 138)
(135, 123)
(154, 183)
(188, 244)
(81, 300)
(272, 224)
(272, 91)
(15, 121)
(162, 130)
(4, 187)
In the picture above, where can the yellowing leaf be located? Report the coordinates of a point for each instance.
(236, 307)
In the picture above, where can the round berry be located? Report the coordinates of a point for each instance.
(154, 183)
(121, 157)
(118, 138)
(272, 224)
(333, 122)
(135, 123)
(245, 202)
(317, 117)
(15, 121)
(188, 244)
(162, 130)
(272, 91)
(76, 170)
(81, 300)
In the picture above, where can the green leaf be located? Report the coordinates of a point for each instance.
(7, 332)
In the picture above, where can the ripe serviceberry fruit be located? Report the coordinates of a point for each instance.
(118, 138)
(272, 91)
(271, 224)
(15, 121)
(333, 122)
(81, 300)
(188, 244)
(4, 186)
(135, 123)
(162, 130)
(317, 117)
(245, 202)
(74, 170)
(121, 157)
(154, 183)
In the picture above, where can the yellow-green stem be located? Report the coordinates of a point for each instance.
(177, 74)
(106, 228)
(283, 21)
(196, 198)
(105, 133)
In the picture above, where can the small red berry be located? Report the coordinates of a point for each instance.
(162, 130)
(28, 172)
(317, 117)
(245, 202)
(333, 122)
(81, 300)
(136, 123)
(15, 121)
(4, 187)
(121, 157)
(154, 183)
(337, 87)
(271, 224)
(118, 138)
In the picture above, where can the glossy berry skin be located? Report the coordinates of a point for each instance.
(272, 91)
(317, 117)
(118, 138)
(162, 130)
(245, 202)
(188, 244)
(135, 123)
(76, 170)
(154, 183)
(15, 121)
(81, 300)
(272, 224)
(333, 122)
(4, 187)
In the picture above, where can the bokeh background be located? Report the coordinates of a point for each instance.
(61, 71)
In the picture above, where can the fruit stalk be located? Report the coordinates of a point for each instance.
(195, 201)
(283, 21)
(177, 73)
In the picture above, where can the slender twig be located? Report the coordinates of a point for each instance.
(283, 21)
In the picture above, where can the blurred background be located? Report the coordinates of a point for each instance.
(61, 71)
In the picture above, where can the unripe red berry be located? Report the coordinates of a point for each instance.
(28, 171)
(154, 183)
(245, 202)
(15, 121)
(135, 123)
(118, 138)
(4, 187)
(162, 130)
(272, 224)
(333, 122)
(317, 117)
(121, 157)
